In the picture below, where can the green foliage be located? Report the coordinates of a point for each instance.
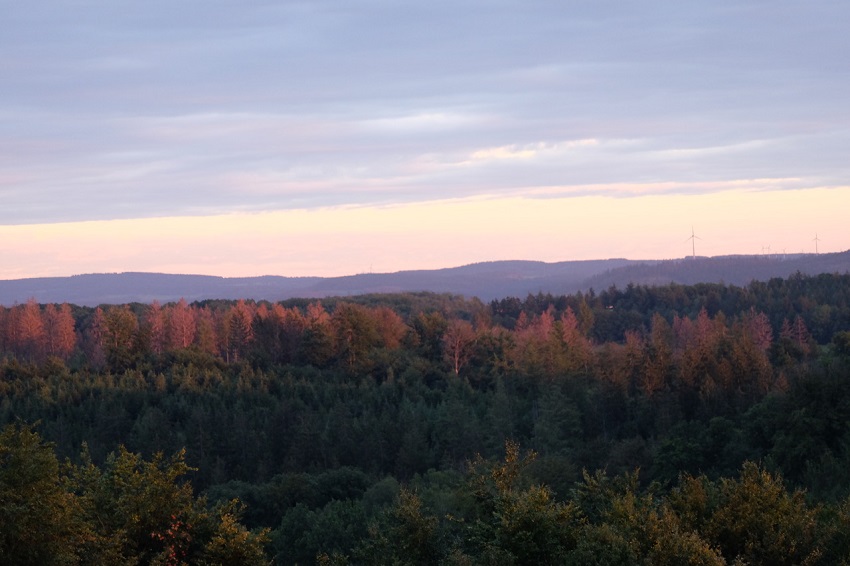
(841, 343)
(131, 511)
(517, 524)
(404, 534)
(634, 527)
(334, 529)
(231, 542)
(757, 520)
(602, 545)
(38, 518)
(752, 519)
(137, 507)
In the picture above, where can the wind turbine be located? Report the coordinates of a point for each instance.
(693, 240)
(816, 240)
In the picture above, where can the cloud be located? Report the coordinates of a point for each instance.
(420, 123)
(528, 151)
(134, 110)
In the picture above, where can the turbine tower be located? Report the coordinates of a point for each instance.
(816, 240)
(693, 240)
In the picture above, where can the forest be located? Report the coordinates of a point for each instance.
(703, 424)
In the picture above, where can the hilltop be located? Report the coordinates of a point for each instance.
(486, 280)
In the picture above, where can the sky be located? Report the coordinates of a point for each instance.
(334, 137)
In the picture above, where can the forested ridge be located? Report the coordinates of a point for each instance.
(703, 424)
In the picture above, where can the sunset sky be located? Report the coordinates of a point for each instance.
(333, 137)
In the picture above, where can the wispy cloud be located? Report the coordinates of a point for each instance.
(529, 151)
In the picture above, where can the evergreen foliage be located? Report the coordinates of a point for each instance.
(399, 429)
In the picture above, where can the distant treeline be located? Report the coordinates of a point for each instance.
(329, 332)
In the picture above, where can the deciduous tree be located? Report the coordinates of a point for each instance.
(61, 332)
(458, 341)
(31, 336)
(182, 325)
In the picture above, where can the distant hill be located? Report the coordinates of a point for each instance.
(488, 280)
(733, 269)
